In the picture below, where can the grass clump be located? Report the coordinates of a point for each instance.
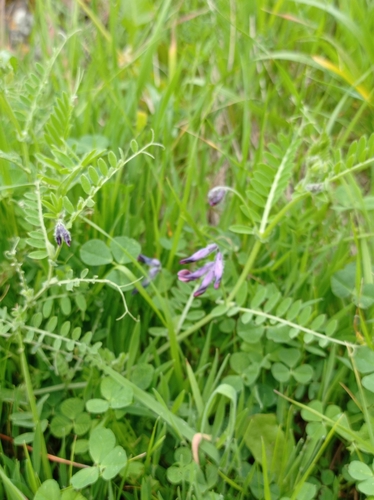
(121, 381)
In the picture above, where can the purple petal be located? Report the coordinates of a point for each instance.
(67, 237)
(200, 254)
(58, 233)
(148, 261)
(208, 278)
(153, 271)
(218, 269)
(186, 276)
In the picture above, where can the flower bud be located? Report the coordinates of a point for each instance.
(200, 254)
(216, 195)
(62, 234)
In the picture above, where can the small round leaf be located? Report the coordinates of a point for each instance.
(113, 462)
(95, 253)
(280, 372)
(117, 395)
(61, 426)
(303, 374)
(101, 442)
(49, 489)
(123, 248)
(359, 470)
(84, 477)
(97, 405)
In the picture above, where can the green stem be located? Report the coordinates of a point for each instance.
(27, 379)
(32, 402)
(355, 168)
(186, 309)
(248, 265)
(186, 195)
(281, 213)
(174, 349)
(187, 333)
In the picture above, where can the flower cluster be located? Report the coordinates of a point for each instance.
(154, 268)
(62, 234)
(211, 271)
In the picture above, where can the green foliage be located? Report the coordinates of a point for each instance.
(261, 388)
(108, 458)
(364, 474)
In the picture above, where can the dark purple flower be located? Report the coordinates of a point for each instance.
(148, 261)
(62, 234)
(154, 269)
(216, 195)
(200, 254)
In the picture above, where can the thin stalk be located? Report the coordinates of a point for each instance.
(174, 345)
(186, 309)
(297, 327)
(32, 402)
(281, 213)
(355, 168)
(188, 332)
(187, 189)
(248, 265)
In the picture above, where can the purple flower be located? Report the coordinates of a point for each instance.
(186, 275)
(148, 261)
(154, 268)
(218, 269)
(200, 254)
(211, 271)
(62, 234)
(208, 278)
(216, 195)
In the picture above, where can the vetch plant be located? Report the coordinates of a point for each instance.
(209, 272)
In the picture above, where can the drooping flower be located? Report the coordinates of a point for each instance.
(200, 254)
(216, 195)
(211, 271)
(187, 276)
(208, 278)
(154, 268)
(62, 234)
(150, 262)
